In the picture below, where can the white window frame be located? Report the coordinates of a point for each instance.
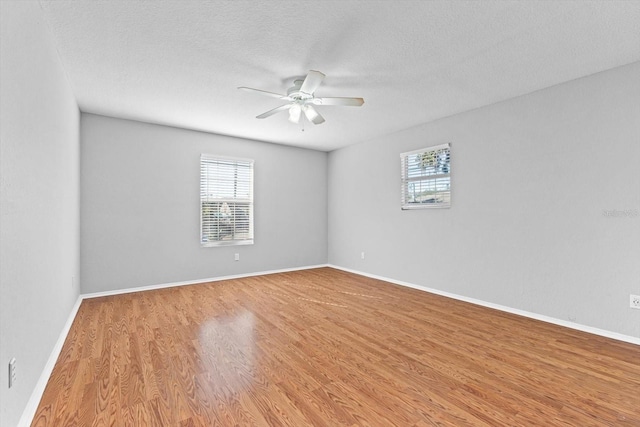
(234, 230)
(440, 197)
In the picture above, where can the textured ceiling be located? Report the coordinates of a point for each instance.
(179, 62)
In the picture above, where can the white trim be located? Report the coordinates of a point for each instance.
(36, 395)
(32, 405)
(435, 179)
(197, 281)
(211, 182)
(409, 207)
(214, 157)
(548, 319)
(218, 243)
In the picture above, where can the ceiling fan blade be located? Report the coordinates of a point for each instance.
(312, 115)
(264, 92)
(311, 82)
(274, 111)
(355, 102)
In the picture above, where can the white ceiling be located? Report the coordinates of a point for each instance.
(179, 62)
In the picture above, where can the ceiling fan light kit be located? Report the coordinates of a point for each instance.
(301, 99)
(294, 113)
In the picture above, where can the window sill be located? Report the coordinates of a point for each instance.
(227, 243)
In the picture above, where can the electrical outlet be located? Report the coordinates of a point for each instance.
(236, 257)
(12, 372)
(361, 255)
(634, 301)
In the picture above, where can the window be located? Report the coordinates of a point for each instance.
(226, 201)
(426, 178)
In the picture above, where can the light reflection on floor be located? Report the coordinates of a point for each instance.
(228, 347)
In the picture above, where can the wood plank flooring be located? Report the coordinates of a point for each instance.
(323, 347)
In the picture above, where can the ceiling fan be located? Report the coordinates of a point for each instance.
(301, 99)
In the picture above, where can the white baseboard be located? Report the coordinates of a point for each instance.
(196, 281)
(36, 395)
(34, 400)
(548, 319)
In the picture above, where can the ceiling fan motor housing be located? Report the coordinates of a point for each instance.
(296, 95)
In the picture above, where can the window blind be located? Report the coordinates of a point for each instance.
(226, 201)
(426, 178)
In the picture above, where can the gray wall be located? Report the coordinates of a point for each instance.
(531, 179)
(140, 213)
(39, 201)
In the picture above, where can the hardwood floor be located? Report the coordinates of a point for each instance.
(324, 347)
